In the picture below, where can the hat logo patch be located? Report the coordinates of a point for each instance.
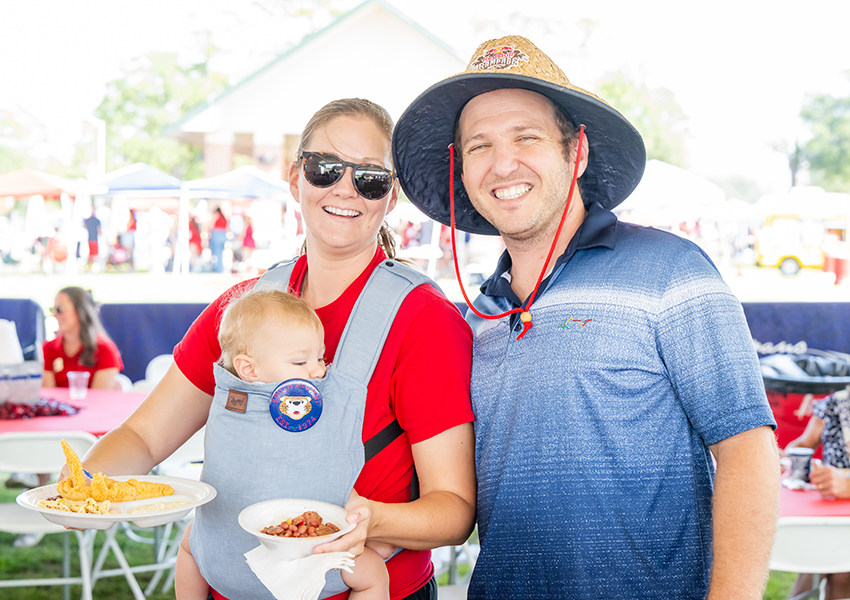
(500, 57)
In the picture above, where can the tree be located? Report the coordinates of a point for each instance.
(14, 143)
(653, 111)
(155, 92)
(828, 151)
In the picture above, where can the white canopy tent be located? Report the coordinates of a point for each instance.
(669, 195)
(134, 183)
(243, 182)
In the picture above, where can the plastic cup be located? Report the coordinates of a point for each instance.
(801, 463)
(78, 384)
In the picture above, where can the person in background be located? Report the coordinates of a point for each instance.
(81, 344)
(403, 394)
(829, 427)
(196, 244)
(128, 238)
(218, 237)
(93, 228)
(248, 242)
(611, 362)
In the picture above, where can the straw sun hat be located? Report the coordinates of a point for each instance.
(420, 143)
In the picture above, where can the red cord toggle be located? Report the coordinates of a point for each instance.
(525, 317)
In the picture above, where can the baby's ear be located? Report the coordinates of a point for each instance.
(245, 368)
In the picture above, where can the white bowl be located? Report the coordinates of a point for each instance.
(273, 512)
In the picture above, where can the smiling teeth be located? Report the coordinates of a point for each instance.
(341, 212)
(512, 192)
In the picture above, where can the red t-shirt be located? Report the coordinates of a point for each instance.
(220, 222)
(421, 379)
(105, 357)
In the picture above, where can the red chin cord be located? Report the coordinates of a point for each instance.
(525, 317)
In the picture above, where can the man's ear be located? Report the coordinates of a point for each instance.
(245, 368)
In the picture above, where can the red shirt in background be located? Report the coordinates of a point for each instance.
(421, 379)
(106, 356)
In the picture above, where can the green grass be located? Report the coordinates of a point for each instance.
(779, 585)
(45, 560)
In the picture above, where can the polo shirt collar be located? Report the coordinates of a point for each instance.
(598, 230)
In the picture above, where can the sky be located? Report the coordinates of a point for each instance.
(740, 70)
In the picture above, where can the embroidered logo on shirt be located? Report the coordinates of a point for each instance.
(571, 323)
(296, 405)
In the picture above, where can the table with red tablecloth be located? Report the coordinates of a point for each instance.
(100, 411)
(812, 535)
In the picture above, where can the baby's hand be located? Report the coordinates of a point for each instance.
(383, 549)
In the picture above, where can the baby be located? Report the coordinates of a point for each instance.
(250, 335)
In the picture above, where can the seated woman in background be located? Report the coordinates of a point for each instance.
(81, 343)
(830, 427)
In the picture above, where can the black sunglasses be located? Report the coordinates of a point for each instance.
(57, 310)
(322, 170)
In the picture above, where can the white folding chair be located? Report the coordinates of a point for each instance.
(41, 452)
(814, 545)
(157, 367)
(183, 462)
(186, 461)
(123, 383)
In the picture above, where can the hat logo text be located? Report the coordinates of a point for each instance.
(501, 57)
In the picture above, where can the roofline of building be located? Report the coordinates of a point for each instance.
(194, 112)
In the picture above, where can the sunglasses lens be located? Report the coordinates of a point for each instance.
(321, 171)
(372, 182)
(324, 170)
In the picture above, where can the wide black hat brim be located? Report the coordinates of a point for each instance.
(616, 159)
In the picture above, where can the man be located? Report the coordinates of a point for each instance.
(93, 228)
(612, 373)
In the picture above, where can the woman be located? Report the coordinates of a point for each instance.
(342, 179)
(218, 238)
(81, 343)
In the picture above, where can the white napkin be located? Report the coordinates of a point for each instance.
(797, 484)
(10, 346)
(298, 579)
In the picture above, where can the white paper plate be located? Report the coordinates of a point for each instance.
(272, 512)
(195, 493)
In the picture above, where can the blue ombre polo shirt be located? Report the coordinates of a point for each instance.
(592, 432)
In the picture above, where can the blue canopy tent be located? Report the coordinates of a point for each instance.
(137, 180)
(243, 182)
(139, 185)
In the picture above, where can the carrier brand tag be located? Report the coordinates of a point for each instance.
(237, 401)
(296, 405)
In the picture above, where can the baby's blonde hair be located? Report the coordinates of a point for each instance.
(249, 313)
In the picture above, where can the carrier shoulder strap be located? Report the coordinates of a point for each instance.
(377, 306)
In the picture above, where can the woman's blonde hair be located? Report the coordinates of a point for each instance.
(249, 313)
(352, 107)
